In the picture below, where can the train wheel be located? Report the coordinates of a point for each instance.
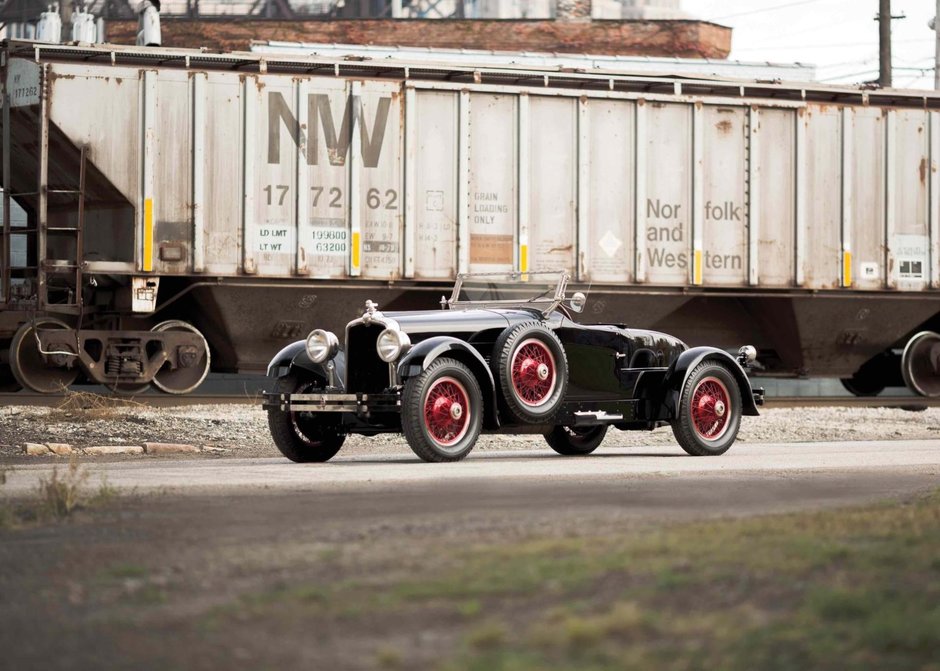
(862, 385)
(45, 374)
(920, 364)
(193, 362)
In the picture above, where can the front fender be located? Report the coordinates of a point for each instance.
(425, 352)
(678, 373)
(293, 359)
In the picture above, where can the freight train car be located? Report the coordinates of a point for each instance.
(188, 210)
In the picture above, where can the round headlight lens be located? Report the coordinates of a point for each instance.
(391, 344)
(321, 345)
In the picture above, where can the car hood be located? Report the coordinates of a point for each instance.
(458, 322)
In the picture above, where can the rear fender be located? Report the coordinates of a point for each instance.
(425, 352)
(293, 360)
(673, 382)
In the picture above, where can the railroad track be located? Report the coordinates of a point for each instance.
(168, 400)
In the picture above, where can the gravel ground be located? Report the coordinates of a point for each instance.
(241, 430)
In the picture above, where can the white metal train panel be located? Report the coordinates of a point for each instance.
(492, 181)
(378, 121)
(665, 223)
(435, 190)
(823, 207)
(271, 137)
(172, 177)
(325, 241)
(865, 134)
(221, 162)
(609, 221)
(774, 215)
(553, 160)
(723, 206)
(907, 192)
(100, 107)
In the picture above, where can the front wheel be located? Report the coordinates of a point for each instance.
(442, 411)
(302, 436)
(709, 412)
(576, 441)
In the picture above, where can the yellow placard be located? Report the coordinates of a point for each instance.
(697, 268)
(846, 269)
(355, 249)
(148, 235)
(523, 258)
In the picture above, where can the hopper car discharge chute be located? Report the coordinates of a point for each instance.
(170, 211)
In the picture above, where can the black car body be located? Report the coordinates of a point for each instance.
(507, 360)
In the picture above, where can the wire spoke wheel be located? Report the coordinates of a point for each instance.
(529, 362)
(711, 407)
(533, 372)
(445, 411)
(300, 436)
(442, 411)
(708, 415)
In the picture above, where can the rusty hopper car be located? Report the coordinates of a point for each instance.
(183, 208)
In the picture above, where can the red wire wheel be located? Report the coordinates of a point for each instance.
(442, 411)
(711, 408)
(446, 411)
(530, 365)
(533, 372)
(708, 415)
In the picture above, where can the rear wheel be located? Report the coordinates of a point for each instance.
(442, 411)
(303, 436)
(709, 413)
(573, 441)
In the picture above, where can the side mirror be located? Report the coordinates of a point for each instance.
(577, 302)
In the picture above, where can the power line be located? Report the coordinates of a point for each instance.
(760, 11)
(831, 45)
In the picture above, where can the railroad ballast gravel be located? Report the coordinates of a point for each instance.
(242, 430)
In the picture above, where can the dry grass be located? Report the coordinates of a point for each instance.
(85, 406)
(56, 497)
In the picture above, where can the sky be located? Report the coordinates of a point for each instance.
(840, 37)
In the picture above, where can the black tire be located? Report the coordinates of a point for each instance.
(862, 386)
(525, 394)
(576, 441)
(711, 430)
(434, 429)
(302, 437)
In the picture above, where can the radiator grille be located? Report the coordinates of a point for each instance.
(365, 371)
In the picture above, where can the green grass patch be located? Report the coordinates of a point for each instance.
(856, 588)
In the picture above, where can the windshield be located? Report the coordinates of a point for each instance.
(543, 290)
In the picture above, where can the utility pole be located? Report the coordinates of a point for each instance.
(884, 41)
(936, 62)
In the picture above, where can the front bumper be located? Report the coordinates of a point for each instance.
(362, 405)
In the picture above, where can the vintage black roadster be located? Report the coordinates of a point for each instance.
(502, 355)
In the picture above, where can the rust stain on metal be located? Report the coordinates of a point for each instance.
(923, 169)
(724, 126)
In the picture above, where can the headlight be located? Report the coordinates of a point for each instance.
(391, 344)
(321, 345)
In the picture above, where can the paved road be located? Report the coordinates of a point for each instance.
(789, 461)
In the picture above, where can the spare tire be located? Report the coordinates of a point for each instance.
(530, 364)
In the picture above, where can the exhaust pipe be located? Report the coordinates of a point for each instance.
(148, 24)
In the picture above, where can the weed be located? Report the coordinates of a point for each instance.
(84, 406)
(59, 495)
(388, 657)
(487, 636)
